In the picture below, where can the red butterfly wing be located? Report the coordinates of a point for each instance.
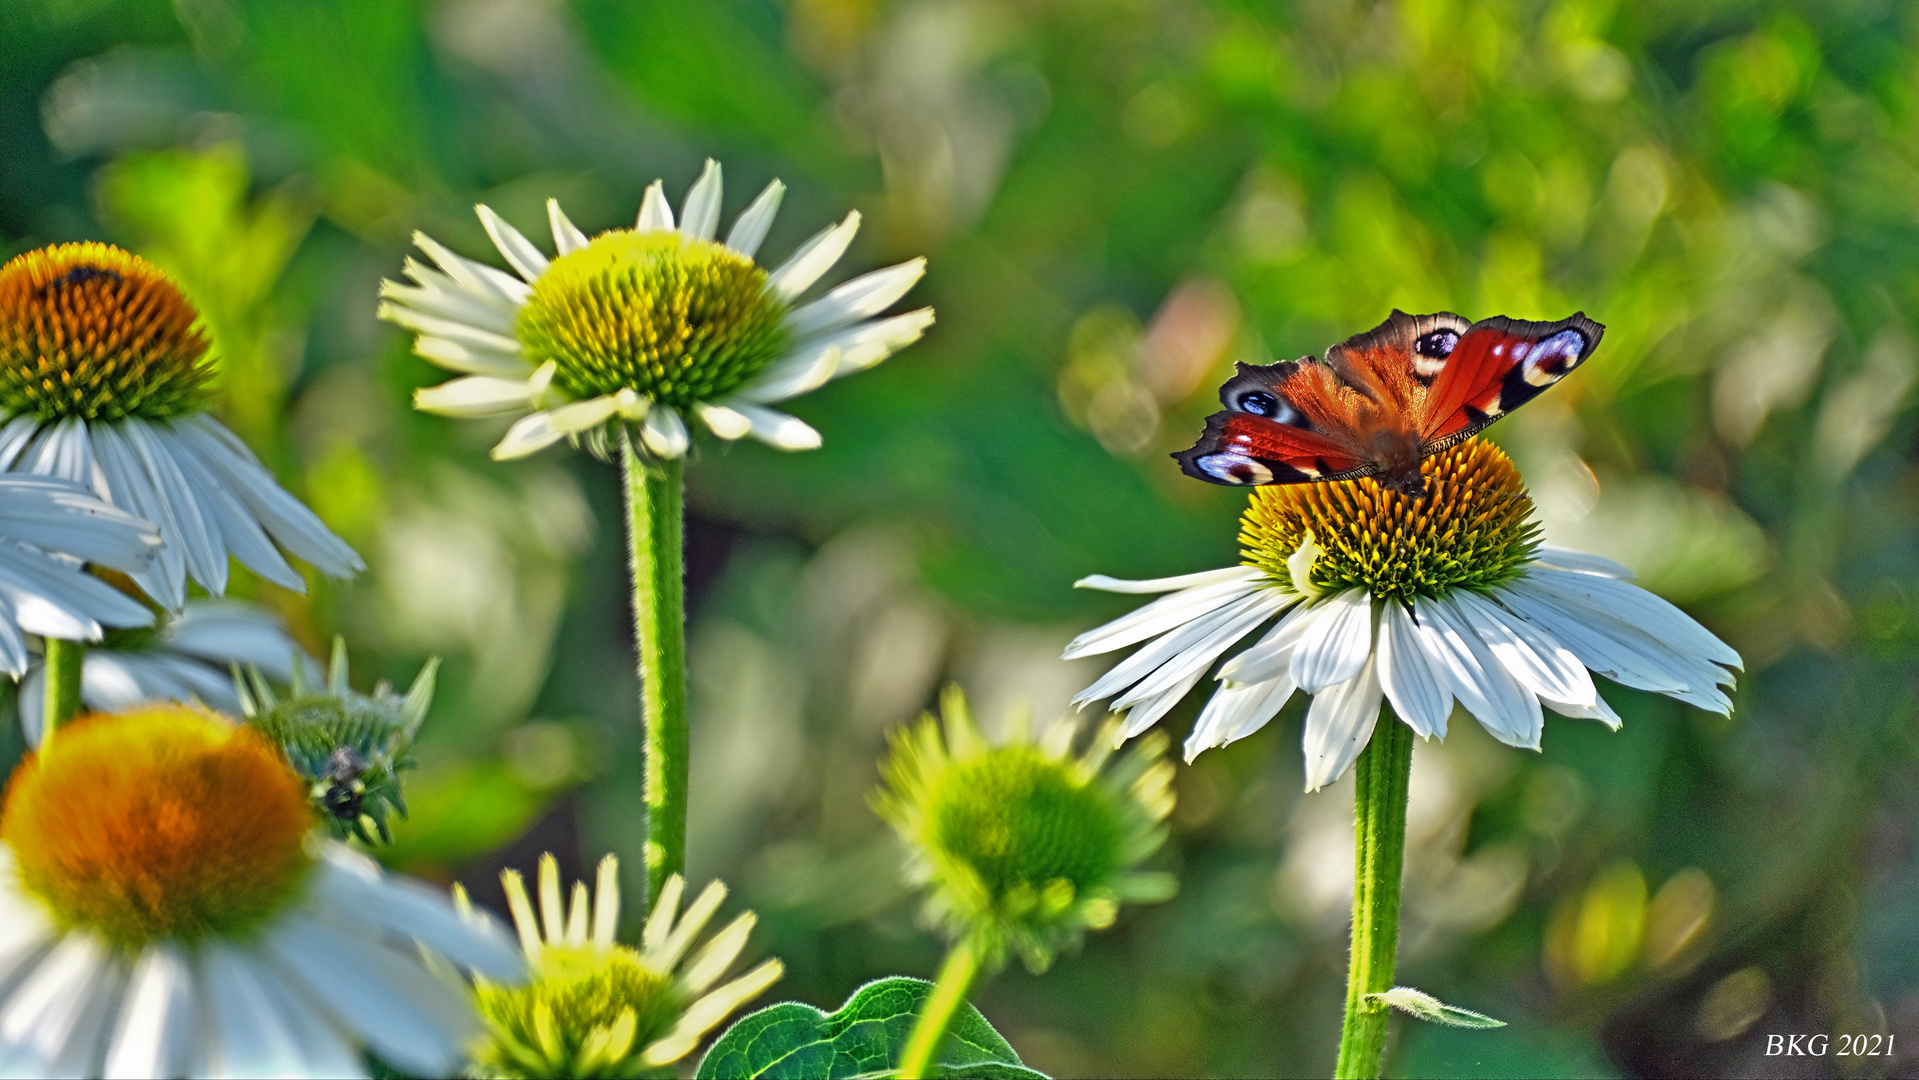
(1286, 423)
(1395, 362)
(1499, 365)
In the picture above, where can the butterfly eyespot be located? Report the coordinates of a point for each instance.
(1553, 357)
(1259, 403)
(1439, 344)
(1234, 469)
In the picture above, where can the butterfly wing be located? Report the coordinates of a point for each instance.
(1284, 423)
(1498, 365)
(1395, 362)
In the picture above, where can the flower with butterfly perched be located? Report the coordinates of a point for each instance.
(165, 910)
(104, 380)
(647, 326)
(1420, 602)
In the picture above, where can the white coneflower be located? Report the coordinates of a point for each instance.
(189, 658)
(165, 911)
(103, 380)
(648, 325)
(43, 520)
(596, 1008)
(1417, 602)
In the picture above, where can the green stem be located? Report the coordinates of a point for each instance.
(1379, 854)
(655, 505)
(949, 993)
(64, 660)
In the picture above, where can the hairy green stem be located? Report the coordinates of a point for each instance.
(949, 993)
(64, 660)
(655, 505)
(1379, 854)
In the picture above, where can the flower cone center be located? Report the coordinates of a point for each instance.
(540, 1028)
(1022, 820)
(1469, 530)
(676, 320)
(161, 823)
(91, 331)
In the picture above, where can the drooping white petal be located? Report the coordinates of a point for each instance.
(867, 344)
(1341, 641)
(285, 518)
(157, 1022)
(1643, 609)
(1207, 594)
(583, 415)
(406, 1015)
(1236, 711)
(1419, 695)
(749, 229)
(808, 367)
(47, 1021)
(1174, 642)
(188, 522)
(700, 214)
(1510, 711)
(655, 214)
(474, 395)
(440, 297)
(325, 1050)
(777, 429)
(248, 1036)
(65, 451)
(860, 298)
(60, 516)
(470, 359)
(815, 257)
(566, 237)
(664, 432)
(518, 251)
(1584, 562)
(459, 332)
(1146, 713)
(727, 423)
(1240, 621)
(14, 437)
(1271, 657)
(1601, 643)
(1599, 711)
(1338, 725)
(349, 886)
(1539, 663)
(1167, 584)
(529, 434)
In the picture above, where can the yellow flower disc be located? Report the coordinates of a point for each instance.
(89, 330)
(1469, 530)
(1018, 818)
(160, 823)
(586, 1012)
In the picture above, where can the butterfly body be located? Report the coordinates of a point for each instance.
(1383, 401)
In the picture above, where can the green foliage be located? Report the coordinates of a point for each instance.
(861, 1038)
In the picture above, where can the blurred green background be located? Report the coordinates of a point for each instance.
(1119, 199)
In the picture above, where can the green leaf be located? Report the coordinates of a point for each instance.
(862, 1039)
(1427, 1007)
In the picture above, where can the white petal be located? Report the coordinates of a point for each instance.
(130, 487)
(815, 257)
(1341, 641)
(727, 423)
(867, 344)
(50, 1018)
(1160, 616)
(157, 1024)
(806, 368)
(665, 433)
(249, 1038)
(475, 395)
(1601, 643)
(860, 298)
(1338, 725)
(1235, 712)
(1539, 663)
(1162, 650)
(65, 451)
(1584, 562)
(284, 517)
(655, 214)
(1419, 695)
(14, 438)
(1599, 711)
(749, 229)
(566, 238)
(1642, 609)
(349, 885)
(779, 430)
(448, 329)
(435, 294)
(1167, 584)
(475, 277)
(471, 359)
(1146, 713)
(700, 214)
(1240, 619)
(516, 248)
(583, 415)
(1272, 656)
(326, 1050)
(1510, 711)
(187, 522)
(403, 1012)
(528, 434)
(59, 515)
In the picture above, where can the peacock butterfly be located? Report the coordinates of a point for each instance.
(1384, 400)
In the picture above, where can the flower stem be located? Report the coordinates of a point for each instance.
(1379, 834)
(655, 505)
(64, 660)
(949, 993)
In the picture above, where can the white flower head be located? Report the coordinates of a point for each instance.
(104, 381)
(1419, 603)
(165, 911)
(47, 527)
(595, 1007)
(189, 658)
(647, 326)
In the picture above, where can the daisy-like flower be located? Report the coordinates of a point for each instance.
(1025, 845)
(1419, 602)
(165, 911)
(596, 1008)
(647, 326)
(47, 526)
(104, 381)
(190, 657)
